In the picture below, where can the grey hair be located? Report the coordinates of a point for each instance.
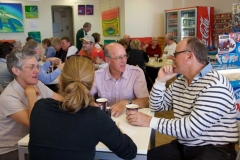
(87, 24)
(169, 36)
(15, 59)
(32, 45)
(16, 44)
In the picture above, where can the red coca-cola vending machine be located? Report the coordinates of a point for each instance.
(193, 21)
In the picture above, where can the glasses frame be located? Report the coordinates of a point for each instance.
(119, 58)
(176, 53)
(32, 67)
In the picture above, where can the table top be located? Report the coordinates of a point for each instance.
(140, 135)
(156, 64)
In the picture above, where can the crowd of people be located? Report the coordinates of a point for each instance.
(203, 102)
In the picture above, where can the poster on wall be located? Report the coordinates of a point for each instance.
(31, 11)
(11, 17)
(81, 9)
(110, 22)
(89, 9)
(36, 35)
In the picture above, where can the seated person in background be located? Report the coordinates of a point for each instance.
(137, 56)
(17, 44)
(153, 48)
(120, 83)
(96, 37)
(124, 43)
(100, 60)
(68, 48)
(15, 108)
(127, 38)
(56, 44)
(43, 76)
(88, 48)
(49, 50)
(5, 76)
(69, 131)
(170, 47)
(204, 108)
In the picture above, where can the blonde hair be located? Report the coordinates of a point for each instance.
(76, 82)
(55, 42)
(154, 37)
(135, 44)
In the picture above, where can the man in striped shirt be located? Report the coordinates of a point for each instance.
(204, 108)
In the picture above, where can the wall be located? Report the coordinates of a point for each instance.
(109, 4)
(44, 22)
(145, 18)
(220, 6)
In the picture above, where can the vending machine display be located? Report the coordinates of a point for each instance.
(193, 21)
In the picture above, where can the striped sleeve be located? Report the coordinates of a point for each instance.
(160, 98)
(210, 106)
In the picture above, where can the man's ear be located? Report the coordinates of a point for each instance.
(16, 71)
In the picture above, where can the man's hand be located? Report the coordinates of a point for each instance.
(118, 108)
(60, 66)
(165, 73)
(138, 118)
(54, 60)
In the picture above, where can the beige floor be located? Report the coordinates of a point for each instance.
(163, 139)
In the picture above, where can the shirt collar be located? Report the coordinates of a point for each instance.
(109, 76)
(3, 60)
(204, 71)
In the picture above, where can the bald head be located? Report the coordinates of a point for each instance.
(111, 48)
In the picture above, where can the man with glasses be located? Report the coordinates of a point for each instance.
(204, 108)
(16, 99)
(120, 83)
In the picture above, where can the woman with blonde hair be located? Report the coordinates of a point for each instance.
(71, 129)
(137, 56)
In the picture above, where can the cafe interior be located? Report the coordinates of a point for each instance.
(145, 33)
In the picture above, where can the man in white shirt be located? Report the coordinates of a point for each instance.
(170, 48)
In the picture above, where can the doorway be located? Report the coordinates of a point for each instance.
(62, 22)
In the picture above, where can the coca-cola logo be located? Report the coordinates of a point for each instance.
(204, 29)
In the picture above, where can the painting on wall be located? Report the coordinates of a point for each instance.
(81, 9)
(89, 9)
(110, 22)
(31, 11)
(36, 35)
(11, 17)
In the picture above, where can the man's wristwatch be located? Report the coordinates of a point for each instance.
(129, 101)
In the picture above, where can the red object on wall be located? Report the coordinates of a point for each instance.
(205, 16)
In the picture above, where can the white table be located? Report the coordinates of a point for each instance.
(157, 64)
(140, 136)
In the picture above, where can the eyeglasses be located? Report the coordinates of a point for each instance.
(86, 42)
(119, 58)
(176, 53)
(31, 67)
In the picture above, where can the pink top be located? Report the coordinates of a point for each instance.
(131, 85)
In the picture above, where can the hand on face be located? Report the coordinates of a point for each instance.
(138, 118)
(165, 73)
(118, 108)
(31, 90)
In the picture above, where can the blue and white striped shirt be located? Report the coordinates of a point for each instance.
(204, 111)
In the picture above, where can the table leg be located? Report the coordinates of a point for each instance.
(21, 152)
(152, 139)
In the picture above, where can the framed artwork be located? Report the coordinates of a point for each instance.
(89, 9)
(11, 17)
(110, 22)
(31, 11)
(81, 9)
(36, 35)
